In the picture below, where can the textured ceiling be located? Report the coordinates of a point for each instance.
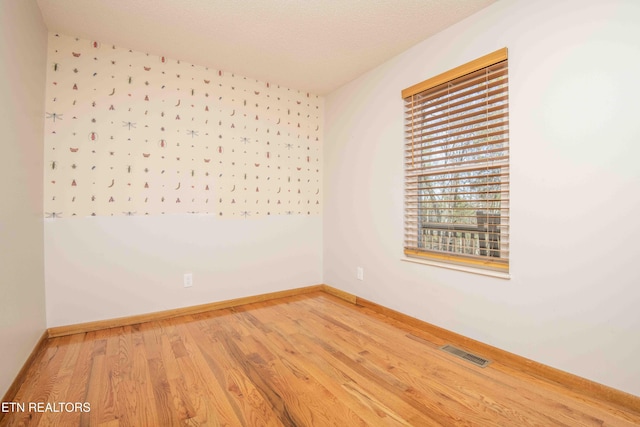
(310, 45)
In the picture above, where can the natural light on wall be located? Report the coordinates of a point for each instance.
(457, 166)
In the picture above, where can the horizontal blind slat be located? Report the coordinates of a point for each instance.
(468, 162)
(423, 146)
(424, 129)
(476, 83)
(458, 105)
(484, 90)
(468, 148)
(456, 135)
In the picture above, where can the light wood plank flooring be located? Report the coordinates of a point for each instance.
(309, 360)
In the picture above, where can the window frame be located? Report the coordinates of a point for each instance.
(489, 256)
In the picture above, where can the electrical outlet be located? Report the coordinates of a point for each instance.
(188, 280)
(360, 273)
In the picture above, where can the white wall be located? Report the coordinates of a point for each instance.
(23, 47)
(572, 301)
(106, 267)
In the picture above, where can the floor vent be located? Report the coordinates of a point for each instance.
(469, 357)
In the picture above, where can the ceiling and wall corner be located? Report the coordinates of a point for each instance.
(312, 46)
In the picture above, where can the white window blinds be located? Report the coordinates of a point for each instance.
(457, 165)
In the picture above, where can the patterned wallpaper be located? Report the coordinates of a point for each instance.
(129, 133)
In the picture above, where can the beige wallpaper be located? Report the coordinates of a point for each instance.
(128, 133)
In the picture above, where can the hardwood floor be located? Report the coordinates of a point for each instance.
(309, 360)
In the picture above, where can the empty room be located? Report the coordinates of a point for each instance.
(319, 213)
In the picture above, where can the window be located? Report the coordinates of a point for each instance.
(457, 165)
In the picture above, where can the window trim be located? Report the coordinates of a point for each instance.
(458, 267)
